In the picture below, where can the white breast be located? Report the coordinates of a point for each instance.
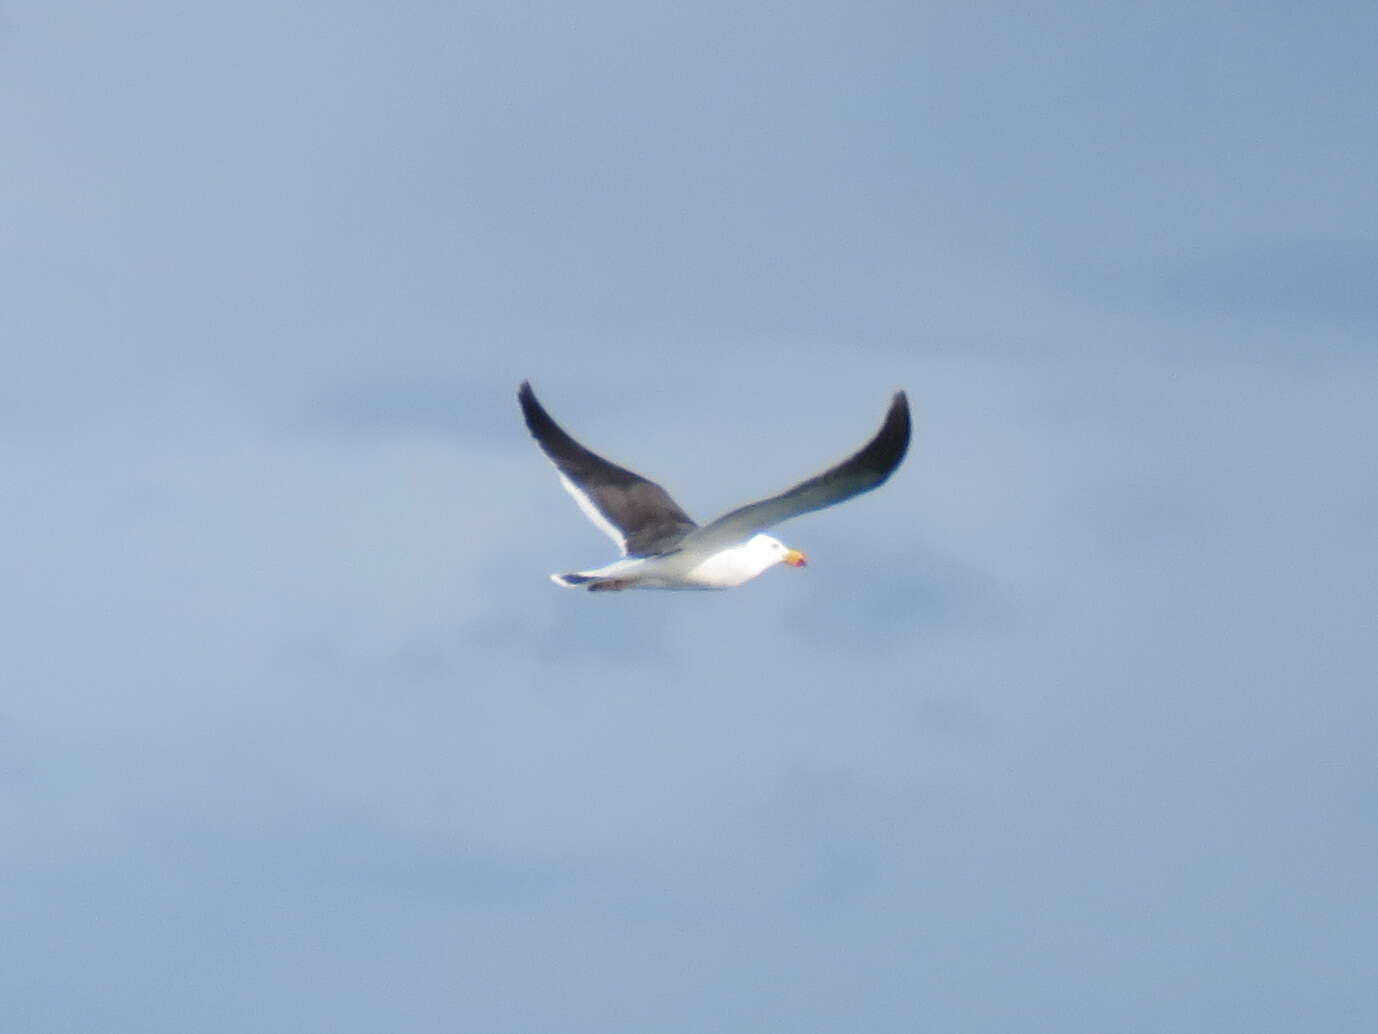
(731, 567)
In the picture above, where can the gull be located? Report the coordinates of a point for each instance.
(662, 547)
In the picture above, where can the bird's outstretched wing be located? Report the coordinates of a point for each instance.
(865, 470)
(635, 513)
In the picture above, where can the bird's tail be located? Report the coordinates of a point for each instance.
(573, 580)
(593, 583)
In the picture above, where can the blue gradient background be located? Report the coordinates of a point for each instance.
(1071, 727)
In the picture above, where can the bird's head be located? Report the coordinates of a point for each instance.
(779, 552)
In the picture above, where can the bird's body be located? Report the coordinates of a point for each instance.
(688, 568)
(662, 547)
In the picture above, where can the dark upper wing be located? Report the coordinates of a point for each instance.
(862, 472)
(637, 514)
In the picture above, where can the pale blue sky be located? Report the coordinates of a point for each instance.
(1070, 727)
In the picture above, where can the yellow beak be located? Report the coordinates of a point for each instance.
(796, 559)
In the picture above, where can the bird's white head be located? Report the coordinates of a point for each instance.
(776, 552)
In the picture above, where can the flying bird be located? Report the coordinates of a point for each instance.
(662, 548)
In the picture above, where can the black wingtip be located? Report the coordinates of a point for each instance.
(898, 411)
(884, 453)
(538, 421)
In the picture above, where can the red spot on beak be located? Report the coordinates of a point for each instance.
(796, 559)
